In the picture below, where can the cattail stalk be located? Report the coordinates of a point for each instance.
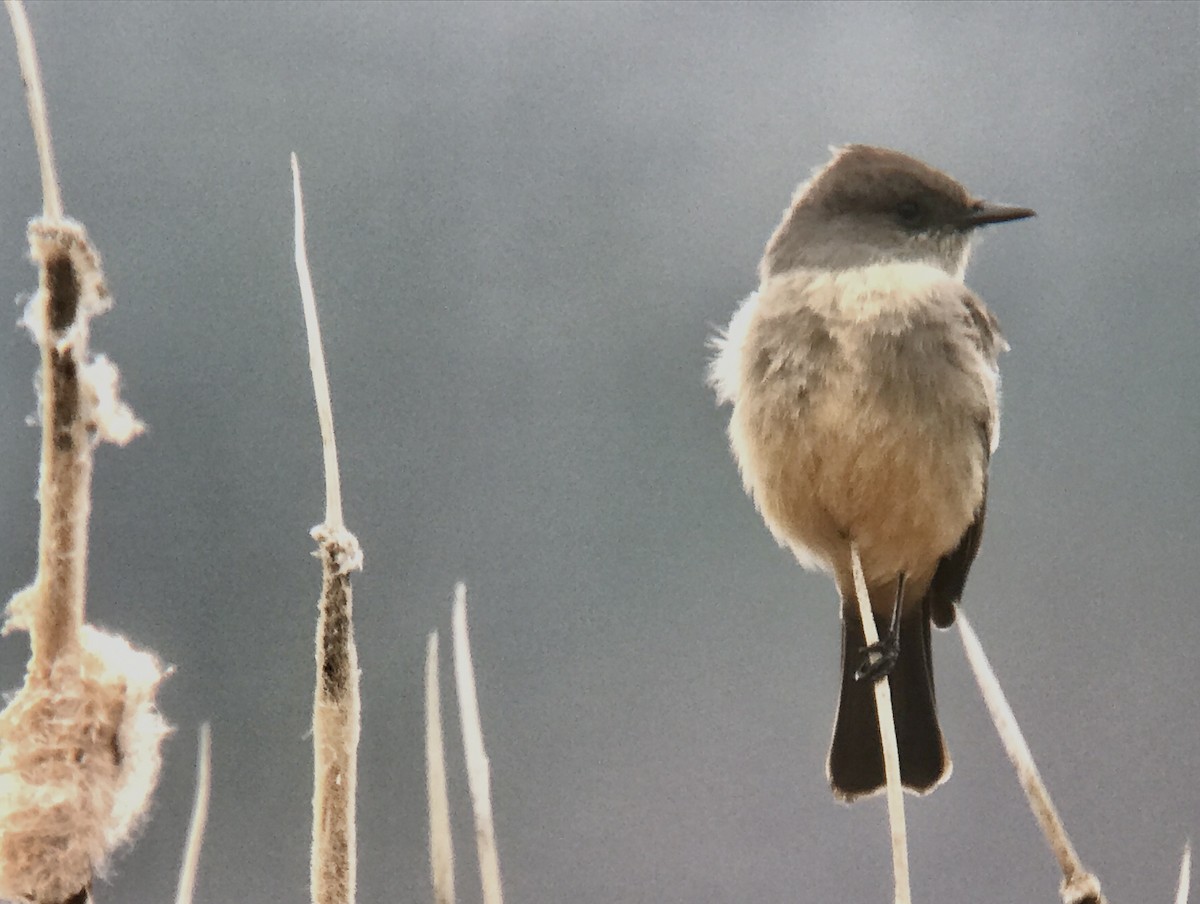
(80, 742)
(336, 699)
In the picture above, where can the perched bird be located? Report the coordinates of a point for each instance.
(865, 392)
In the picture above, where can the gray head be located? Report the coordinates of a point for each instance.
(871, 205)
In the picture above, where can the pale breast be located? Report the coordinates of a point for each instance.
(863, 408)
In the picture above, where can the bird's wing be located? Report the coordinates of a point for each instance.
(984, 326)
(946, 589)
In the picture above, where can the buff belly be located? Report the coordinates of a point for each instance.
(838, 469)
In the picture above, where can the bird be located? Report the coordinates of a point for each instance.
(865, 391)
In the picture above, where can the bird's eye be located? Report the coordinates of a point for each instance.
(909, 212)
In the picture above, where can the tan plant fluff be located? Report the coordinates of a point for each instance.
(79, 758)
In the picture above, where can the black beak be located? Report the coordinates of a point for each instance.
(983, 213)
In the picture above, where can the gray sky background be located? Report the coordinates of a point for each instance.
(524, 221)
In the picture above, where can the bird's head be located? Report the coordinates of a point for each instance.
(872, 205)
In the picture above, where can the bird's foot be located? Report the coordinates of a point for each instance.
(887, 650)
(878, 659)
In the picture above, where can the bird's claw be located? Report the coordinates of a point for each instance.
(874, 669)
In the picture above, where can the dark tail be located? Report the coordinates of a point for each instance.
(856, 755)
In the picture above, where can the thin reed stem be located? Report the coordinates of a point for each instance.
(186, 887)
(478, 768)
(1079, 885)
(441, 844)
(887, 734)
